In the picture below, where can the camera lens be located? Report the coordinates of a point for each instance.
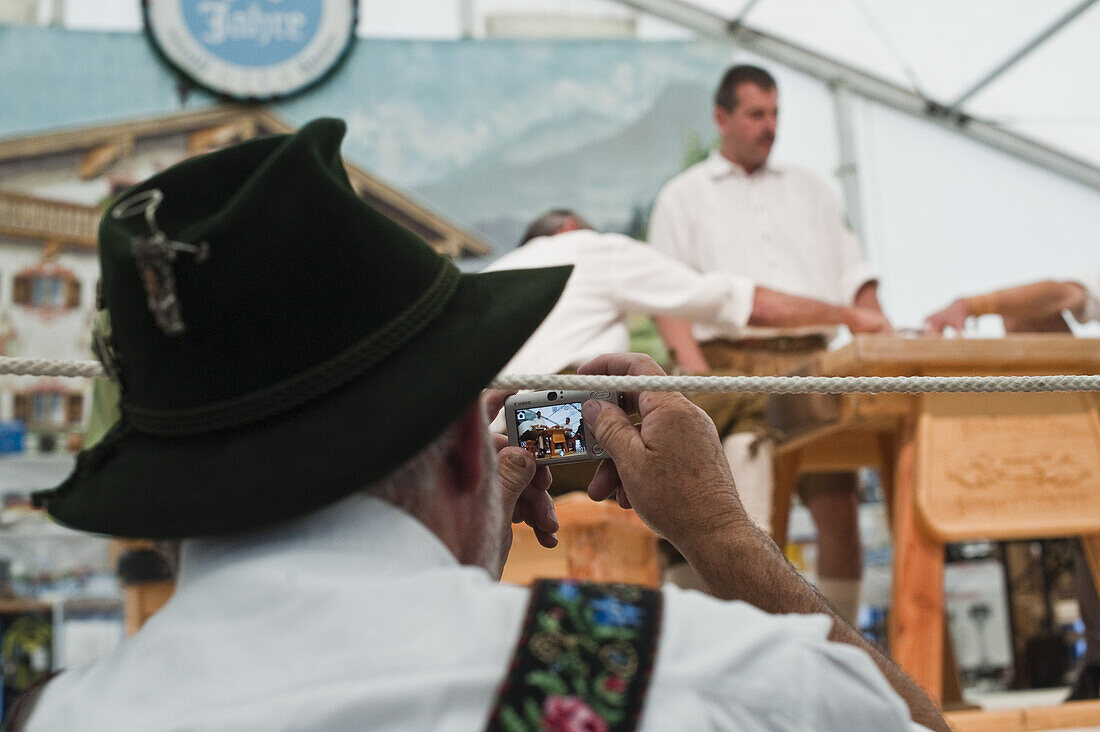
(551, 396)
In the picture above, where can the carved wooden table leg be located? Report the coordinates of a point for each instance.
(1090, 545)
(916, 622)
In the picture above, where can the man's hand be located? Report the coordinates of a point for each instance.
(954, 316)
(523, 485)
(670, 468)
(868, 320)
(673, 472)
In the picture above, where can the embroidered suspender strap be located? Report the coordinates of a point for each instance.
(584, 659)
(16, 718)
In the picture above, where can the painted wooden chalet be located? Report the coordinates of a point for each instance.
(53, 188)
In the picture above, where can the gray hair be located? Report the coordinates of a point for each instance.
(412, 485)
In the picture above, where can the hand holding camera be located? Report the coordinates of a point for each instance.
(670, 468)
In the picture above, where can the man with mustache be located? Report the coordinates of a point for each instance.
(735, 212)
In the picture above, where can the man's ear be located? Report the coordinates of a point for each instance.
(467, 458)
(721, 117)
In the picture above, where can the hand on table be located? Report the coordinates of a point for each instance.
(953, 316)
(868, 320)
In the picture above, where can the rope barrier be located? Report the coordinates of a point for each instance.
(754, 384)
(50, 367)
(804, 384)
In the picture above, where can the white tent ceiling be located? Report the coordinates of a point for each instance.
(1019, 66)
(936, 49)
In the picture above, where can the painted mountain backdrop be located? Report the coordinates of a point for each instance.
(488, 132)
(604, 176)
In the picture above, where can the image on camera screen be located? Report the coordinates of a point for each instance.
(551, 431)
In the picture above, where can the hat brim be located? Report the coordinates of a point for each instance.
(150, 486)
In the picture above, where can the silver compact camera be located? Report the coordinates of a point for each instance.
(550, 426)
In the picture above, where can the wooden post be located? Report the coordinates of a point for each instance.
(916, 619)
(597, 541)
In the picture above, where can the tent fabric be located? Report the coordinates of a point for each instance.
(941, 48)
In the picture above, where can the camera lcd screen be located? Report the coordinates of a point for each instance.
(552, 431)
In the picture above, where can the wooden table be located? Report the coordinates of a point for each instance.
(961, 466)
(597, 541)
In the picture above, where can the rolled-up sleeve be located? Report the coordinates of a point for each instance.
(1091, 282)
(857, 271)
(644, 280)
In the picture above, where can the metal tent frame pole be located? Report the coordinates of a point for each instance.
(872, 87)
(848, 165)
(1023, 51)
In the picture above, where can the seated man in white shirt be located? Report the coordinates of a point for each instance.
(342, 545)
(615, 276)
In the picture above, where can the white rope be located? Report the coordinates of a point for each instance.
(754, 384)
(50, 367)
(803, 384)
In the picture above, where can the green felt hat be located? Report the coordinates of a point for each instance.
(279, 343)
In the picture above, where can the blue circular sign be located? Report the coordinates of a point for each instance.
(253, 33)
(252, 49)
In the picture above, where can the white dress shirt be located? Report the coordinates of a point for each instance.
(1091, 282)
(613, 276)
(780, 227)
(357, 617)
(533, 423)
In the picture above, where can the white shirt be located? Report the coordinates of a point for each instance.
(780, 227)
(357, 617)
(533, 423)
(613, 276)
(1091, 282)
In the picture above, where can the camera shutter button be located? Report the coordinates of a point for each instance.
(601, 395)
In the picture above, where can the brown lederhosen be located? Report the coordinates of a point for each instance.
(733, 413)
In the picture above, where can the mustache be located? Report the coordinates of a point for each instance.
(766, 137)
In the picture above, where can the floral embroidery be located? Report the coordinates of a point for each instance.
(584, 659)
(610, 611)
